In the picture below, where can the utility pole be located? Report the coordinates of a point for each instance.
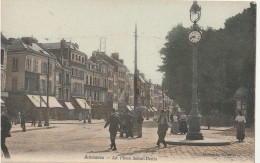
(47, 108)
(135, 72)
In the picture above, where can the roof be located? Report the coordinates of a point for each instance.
(18, 45)
(141, 78)
(57, 45)
(111, 60)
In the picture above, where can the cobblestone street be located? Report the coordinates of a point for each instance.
(69, 141)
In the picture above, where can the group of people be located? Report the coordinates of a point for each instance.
(179, 124)
(123, 122)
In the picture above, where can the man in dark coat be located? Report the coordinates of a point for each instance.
(23, 121)
(129, 124)
(122, 123)
(5, 132)
(162, 128)
(140, 120)
(113, 122)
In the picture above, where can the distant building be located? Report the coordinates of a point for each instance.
(27, 71)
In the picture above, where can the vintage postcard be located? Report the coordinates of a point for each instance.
(128, 81)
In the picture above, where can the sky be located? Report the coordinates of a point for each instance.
(86, 21)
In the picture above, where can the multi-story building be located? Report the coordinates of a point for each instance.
(4, 44)
(120, 71)
(71, 74)
(29, 77)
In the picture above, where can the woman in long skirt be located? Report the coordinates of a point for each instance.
(183, 124)
(241, 120)
(175, 125)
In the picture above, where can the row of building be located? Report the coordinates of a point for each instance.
(73, 81)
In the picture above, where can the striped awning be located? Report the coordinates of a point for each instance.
(82, 103)
(37, 101)
(69, 105)
(53, 102)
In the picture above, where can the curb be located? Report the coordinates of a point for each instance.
(31, 129)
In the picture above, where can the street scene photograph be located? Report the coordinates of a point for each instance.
(128, 81)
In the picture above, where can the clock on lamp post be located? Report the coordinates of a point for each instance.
(194, 37)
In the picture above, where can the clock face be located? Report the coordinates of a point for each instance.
(194, 36)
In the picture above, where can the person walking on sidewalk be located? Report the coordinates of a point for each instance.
(241, 120)
(162, 128)
(129, 124)
(140, 120)
(175, 125)
(183, 124)
(5, 132)
(23, 121)
(113, 122)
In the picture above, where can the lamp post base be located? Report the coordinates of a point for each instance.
(194, 128)
(194, 136)
(46, 124)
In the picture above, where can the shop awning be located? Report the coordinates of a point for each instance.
(150, 109)
(155, 109)
(2, 102)
(82, 103)
(35, 99)
(129, 107)
(69, 105)
(53, 103)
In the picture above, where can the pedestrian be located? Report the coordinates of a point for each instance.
(208, 121)
(113, 122)
(23, 121)
(241, 120)
(140, 120)
(129, 124)
(162, 128)
(123, 126)
(183, 129)
(19, 118)
(5, 132)
(33, 119)
(175, 125)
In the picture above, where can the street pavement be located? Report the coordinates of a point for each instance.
(72, 140)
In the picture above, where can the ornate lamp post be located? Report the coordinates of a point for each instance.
(194, 37)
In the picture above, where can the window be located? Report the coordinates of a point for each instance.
(14, 83)
(44, 67)
(59, 79)
(86, 79)
(36, 85)
(82, 59)
(35, 66)
(50, 69)
(44, 87)
(73, 57)
(67, 78)
(76, 72)
(15, 64)
(67, 94)
(29, 64)
(27, 83)
(72, 72)
(90, 80)
(59, 93)
(2, 56)
(50, 87)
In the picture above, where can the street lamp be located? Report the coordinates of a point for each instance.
(194, 38)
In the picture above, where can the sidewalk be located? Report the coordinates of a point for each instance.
(18, 128)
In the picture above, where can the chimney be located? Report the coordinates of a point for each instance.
(27, 40)
(121, 60)
(115, 56)
(77, 45)
(63, 43)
